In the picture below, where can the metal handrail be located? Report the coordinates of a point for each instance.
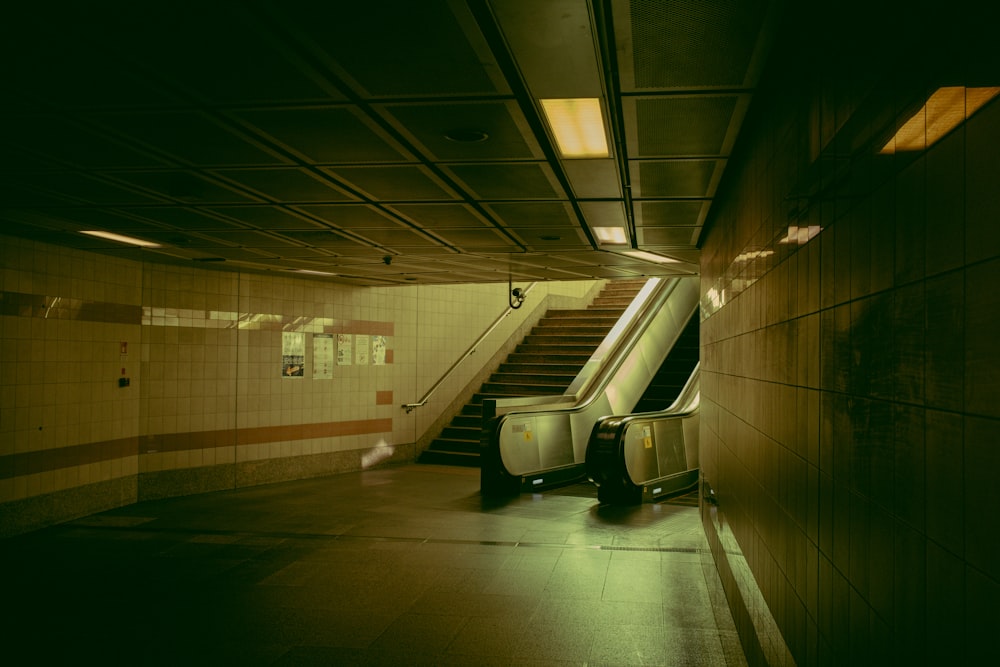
(410, 407)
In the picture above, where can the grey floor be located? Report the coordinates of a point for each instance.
(400, 566)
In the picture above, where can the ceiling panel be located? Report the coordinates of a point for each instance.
(404, 49)
(676, 178)
(350, 216)
(183, 186)
(477, 130)
(285, 184)
(524, 180)
(189, 137)
(323, 135)
(669, 213)
(265, 217)
(82, 189)
(681, 126)
(64, 142)
(394, 183)
(679, 44)
(439, 216)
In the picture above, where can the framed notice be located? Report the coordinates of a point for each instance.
(378, 350)
(344, 349)
(361, 349)
(293, 354)
(322, 356)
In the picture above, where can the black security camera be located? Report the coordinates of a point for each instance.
(516, 297)
(387, 259)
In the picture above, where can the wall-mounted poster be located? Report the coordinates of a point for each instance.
(378, 350)
(322, 356)
(344, 349)
(293, 354)
(361, 350)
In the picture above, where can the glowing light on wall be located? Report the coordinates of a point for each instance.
(801, 235)
(945, 110)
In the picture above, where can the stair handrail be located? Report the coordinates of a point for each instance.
(410, 407)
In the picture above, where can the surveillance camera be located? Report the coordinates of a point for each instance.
(387, 259)
(516, 292)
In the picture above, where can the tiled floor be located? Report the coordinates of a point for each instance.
(402, 566)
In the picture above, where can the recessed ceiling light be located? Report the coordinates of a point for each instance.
(466, 136)
(611, 235)
(945, 110)
(110, 236)
(650, 257)
(578, 126)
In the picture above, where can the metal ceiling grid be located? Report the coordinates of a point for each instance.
(271, 136)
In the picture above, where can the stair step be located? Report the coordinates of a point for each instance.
(539, 366)
(522, 388)
(549, 348)
(455, 432)
(601, 328)
(457, 442)
(530, 378)
(466, 422)
(590, 313)
(563, 339)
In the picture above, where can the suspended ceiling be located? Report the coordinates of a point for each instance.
(374, 143)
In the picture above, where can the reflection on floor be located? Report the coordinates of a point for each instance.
(402, 566)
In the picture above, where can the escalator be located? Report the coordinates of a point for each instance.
(539, 442)
(653, 452)
(647, 456)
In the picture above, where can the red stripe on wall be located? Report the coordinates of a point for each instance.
(28, 463)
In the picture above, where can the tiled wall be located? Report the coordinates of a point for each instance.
(851, 421)
(208, 405)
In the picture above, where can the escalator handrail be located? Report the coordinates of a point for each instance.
(583, 393)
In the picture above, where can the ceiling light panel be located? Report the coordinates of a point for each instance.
(577, 124)
(611, 235)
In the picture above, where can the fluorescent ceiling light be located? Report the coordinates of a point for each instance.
(611, 235)
(122, 239)
(314, 273)
(578, 126)
(946, 109)
(650, 257)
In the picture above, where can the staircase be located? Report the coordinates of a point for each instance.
(543, 364)
(675, 371)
